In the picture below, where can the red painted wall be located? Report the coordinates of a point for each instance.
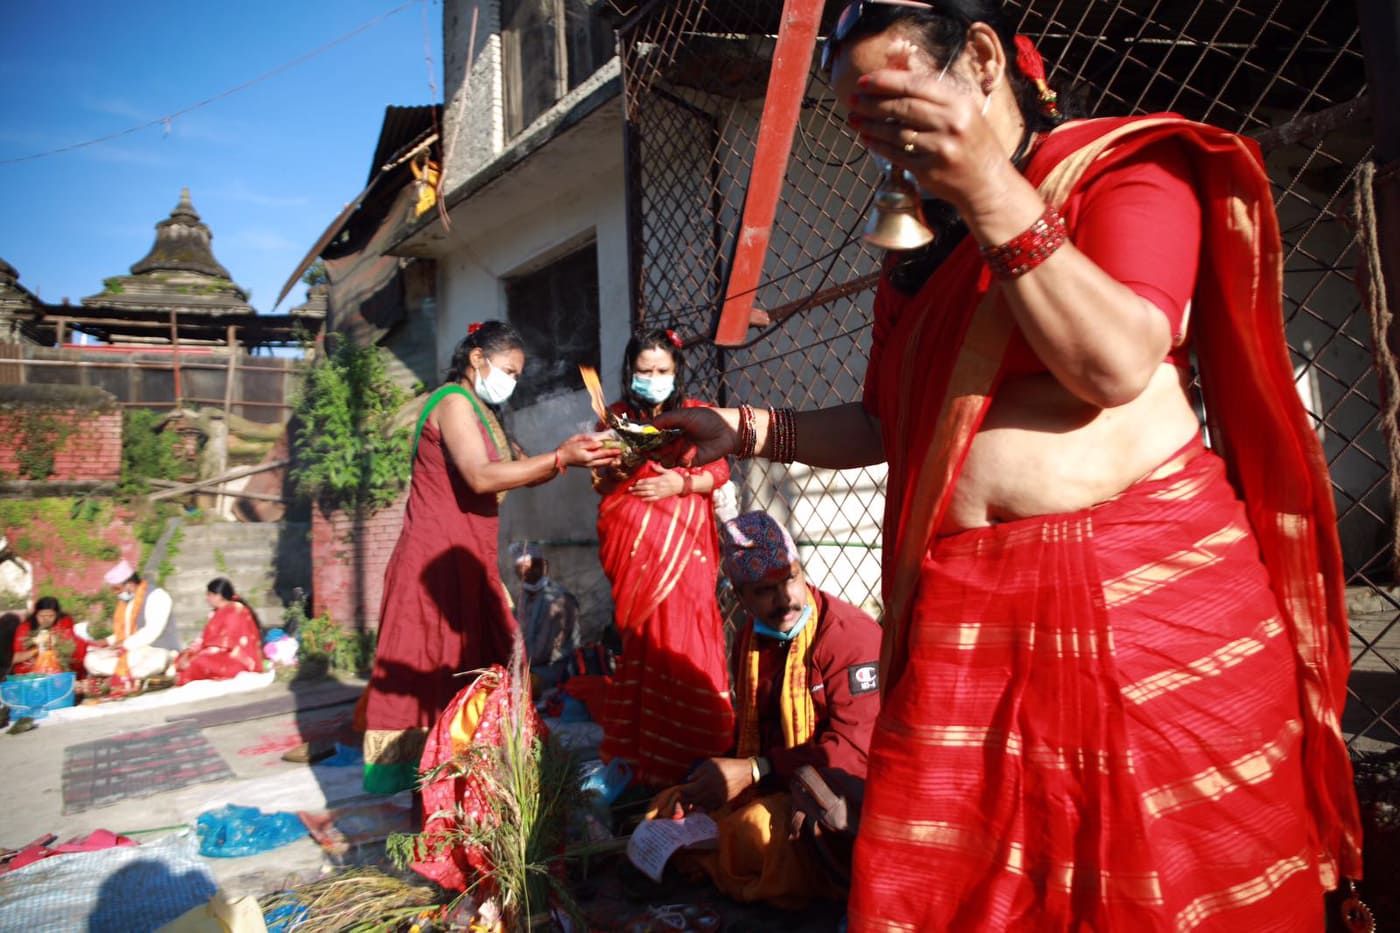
(92, 450)
(348, 557)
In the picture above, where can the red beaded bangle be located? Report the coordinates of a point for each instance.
(686, 484)
(782, 433)
(748, 433)
(559, 468)
(1029, 248)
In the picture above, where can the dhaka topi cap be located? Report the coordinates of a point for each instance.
(756, 548)
(119, 574)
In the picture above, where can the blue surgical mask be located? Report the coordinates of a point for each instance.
(797, 627)
(654, 389)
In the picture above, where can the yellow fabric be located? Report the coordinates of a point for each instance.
(124, 622)
(465, 722)
(799, 713)
(220, 915)
(427, 177)
(756, 861)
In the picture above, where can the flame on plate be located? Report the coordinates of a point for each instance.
(595, 392)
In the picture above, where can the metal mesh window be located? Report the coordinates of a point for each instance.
(1289, 73)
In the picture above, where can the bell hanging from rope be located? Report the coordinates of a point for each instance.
(896, 217)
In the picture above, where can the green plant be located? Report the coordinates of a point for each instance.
(147, 452)
(320, 639)
(529, 784)
(41, 433)
(220, 563)
(36, 525)
(346, 453)
(316, 274)
(112, 286)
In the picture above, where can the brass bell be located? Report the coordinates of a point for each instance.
(896, 217)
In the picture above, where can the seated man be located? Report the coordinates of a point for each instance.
(807, 691)
(548, 617)
(142, 631)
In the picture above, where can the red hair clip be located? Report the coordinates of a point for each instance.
(674, 338)
(472, 329)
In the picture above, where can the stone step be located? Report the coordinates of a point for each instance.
(259, 559)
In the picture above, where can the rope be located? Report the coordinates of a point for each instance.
(1371, 280)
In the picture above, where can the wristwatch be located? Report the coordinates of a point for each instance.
(761, 768)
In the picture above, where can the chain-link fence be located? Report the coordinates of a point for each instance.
(1290, 73)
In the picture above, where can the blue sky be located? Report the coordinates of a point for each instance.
(268, 167)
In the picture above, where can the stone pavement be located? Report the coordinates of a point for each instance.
(31, 764)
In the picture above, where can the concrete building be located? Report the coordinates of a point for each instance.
(535, 234)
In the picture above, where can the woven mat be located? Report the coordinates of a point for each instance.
(138, 764)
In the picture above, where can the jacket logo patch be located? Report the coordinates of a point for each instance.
(864, 678)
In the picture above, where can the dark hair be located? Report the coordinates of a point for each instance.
(490, 337)
(942, 31)
(48, 602)
(9, 624)
(223, 587)
(657, 338)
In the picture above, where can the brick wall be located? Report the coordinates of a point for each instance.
(348, 557)
(90, 447)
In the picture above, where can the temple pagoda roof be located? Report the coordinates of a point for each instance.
(179, 273)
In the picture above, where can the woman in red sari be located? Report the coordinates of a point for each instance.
(45, 643)
(668, 704)
(1114, 660)
(231, 643)
(445, 610)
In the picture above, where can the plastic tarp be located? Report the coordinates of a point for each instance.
(233, 831)
(135, 889)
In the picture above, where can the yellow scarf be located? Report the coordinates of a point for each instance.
(124, 623)
(799, 713)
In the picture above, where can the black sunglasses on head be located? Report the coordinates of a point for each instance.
(848, 19)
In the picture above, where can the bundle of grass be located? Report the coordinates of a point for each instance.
(497, 794)
(357, 901)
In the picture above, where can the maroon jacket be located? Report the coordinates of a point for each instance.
(844, 673)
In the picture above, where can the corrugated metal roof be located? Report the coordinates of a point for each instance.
(402, 126)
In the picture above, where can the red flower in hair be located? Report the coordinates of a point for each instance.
(472, 329)
(674, 338)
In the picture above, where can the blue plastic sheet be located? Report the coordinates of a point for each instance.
(34, 695)
(232, 831)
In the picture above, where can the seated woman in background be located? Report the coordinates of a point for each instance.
(230, 643)
(45, 642)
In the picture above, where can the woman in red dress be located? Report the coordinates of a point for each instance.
(445, 610)
(668, 705)
(45, 642)
(230, 644)
(1114, 661)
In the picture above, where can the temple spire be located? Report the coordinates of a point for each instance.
(183, 244)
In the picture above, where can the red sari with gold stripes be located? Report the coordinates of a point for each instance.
(1125, 717)
(668, 704)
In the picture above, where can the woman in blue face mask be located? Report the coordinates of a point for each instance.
(668, 704)
(444, 607)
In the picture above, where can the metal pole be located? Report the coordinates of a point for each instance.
(782, 107)
(229, 376)
(1380, 40)
(175, 354)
